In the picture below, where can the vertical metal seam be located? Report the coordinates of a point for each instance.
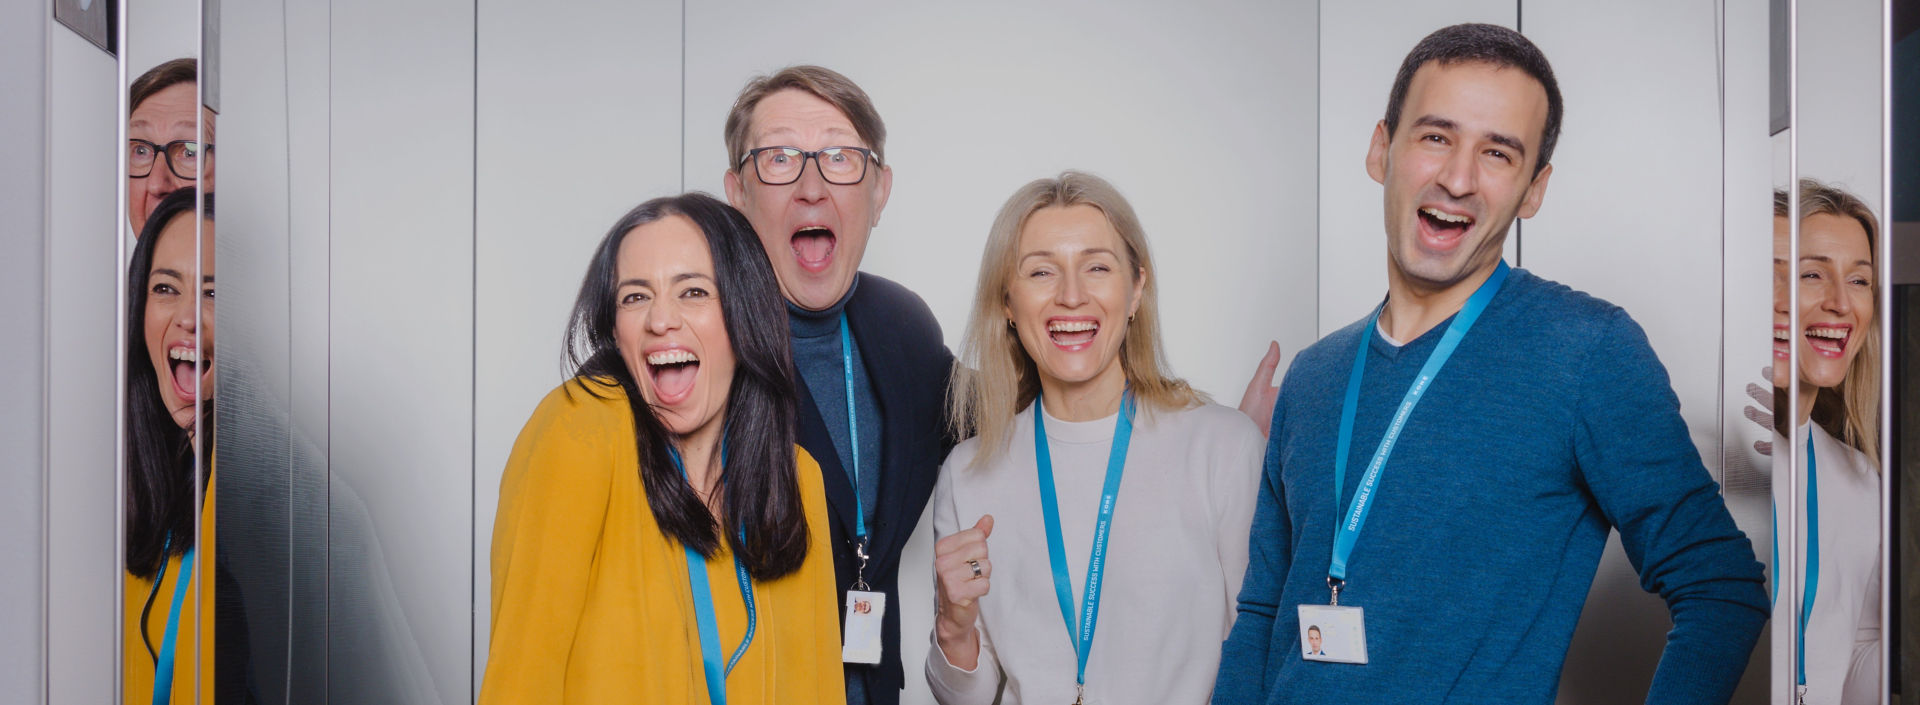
(1885, 312)
(1785, 578)
(683, 100)
(326, 477)
(286, 102)
(473, 370)
(120, 346)
(1319, 105)
(46, 357)
(1720, 399)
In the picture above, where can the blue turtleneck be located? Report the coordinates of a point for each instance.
(816, 354)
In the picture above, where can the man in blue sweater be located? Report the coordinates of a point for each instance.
(807, 165)
(1441, 476)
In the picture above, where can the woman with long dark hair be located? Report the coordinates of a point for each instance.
(660, 537)
(169, 385)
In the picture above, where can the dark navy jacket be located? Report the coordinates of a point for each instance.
(909, 366)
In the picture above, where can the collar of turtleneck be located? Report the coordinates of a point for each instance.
(815, 324)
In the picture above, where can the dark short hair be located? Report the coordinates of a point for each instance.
(160, 78)
(1481, 43)
(765, 522)
(823, 83)
(160, 459)
(1313, 628)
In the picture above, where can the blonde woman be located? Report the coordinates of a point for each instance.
(1099, 485)
(1837, 659)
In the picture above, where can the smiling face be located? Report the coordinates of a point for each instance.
(1072, 292)
(1459, 170)
(668, 324)
(166, 116)
(1836, 280)
(172, 301)
(814, 232)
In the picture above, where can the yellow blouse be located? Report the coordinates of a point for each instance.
(591, 602)
(137, 665)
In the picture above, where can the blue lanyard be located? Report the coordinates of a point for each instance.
(853, 430)
(703, 609)
(1811, 570)
(1348, 531)
(163, 666)
(1056, 546)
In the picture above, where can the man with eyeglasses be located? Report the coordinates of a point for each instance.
(806, 164)
(163, 153)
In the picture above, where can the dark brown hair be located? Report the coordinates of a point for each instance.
(1482, 43)
(160, 78)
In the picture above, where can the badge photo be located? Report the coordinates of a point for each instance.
(865, 612)
(1333, 634)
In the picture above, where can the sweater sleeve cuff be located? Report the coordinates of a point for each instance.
(953, 685)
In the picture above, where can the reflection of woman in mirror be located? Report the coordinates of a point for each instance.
(170, 380)
(1838, 344)
(660, 536)
(163, 153)
(1070, 393)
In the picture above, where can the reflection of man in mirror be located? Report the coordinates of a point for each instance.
(163, 153)
(807, 164)
(1497, 424)
(1313, 642)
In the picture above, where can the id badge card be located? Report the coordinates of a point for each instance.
(1333, 634)
(865, 612)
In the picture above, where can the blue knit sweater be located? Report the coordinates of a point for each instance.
(1553, 423)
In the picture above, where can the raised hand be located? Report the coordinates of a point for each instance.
(1257, 403)
(962, 574)
(1763, 416)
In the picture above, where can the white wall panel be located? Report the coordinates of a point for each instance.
(23, 423)
(578, 122)
(1361, 46)
(401, 313)
(82, 268)
(1201, 113)
(1747, 295)
(1840, 96)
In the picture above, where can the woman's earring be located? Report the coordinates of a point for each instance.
(1011, 325)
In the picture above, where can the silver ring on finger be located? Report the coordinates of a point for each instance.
(975, 565)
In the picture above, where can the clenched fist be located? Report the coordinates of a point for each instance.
(962, 574)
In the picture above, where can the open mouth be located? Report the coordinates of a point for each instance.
(182, 359)
(1828, 340)
(813, 248)
(1781, 339)
(1073, 334)
(1443, 230)
(673, 372)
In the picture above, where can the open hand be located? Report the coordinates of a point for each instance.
(1257, 403)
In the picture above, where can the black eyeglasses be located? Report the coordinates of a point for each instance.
(183, 158)
(778, 166)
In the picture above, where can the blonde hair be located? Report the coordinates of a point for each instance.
(1851, 411)
(994, 377)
